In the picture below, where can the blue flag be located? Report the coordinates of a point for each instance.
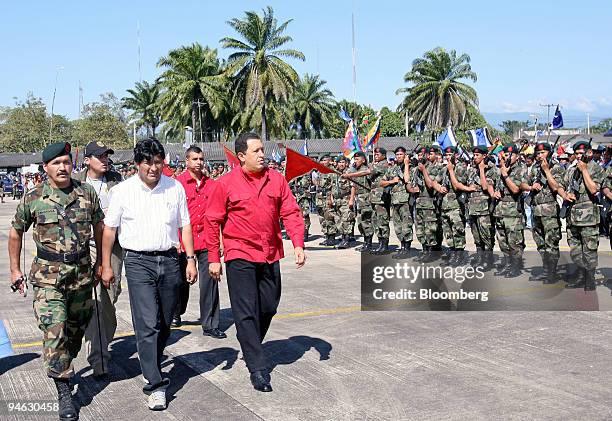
(557, 122)
(344, 115)
(5, 343)
(480, 137)
(447, 138)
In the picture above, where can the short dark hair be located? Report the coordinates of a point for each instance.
(381, 150)
(146, 149)
(192, 149)
(399, 149)
(361, 154)
(240, 145)
(325, 156)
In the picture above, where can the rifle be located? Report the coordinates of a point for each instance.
(540, 176)
(574, 186)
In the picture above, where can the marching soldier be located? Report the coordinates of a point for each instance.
(342, 208)
(580, 186)
(543, 181)
(300, 186)
(453, 220)
(326, 217)
(427, 211)
(63, 212)
(379, 199)
(360, 196)
(508, 211)
(607, 191)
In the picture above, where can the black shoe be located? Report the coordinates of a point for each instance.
(344, 244)
(589, 280)
(214, 333)
(515, 267)
(367, 245)
(305, 235)
(552, 276)
(176, 321)
(383, 247)
(260, 381)
(66, 409)
(576, 280)
(403, 252)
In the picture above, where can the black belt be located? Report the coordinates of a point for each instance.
(62, 257)
(168, 253)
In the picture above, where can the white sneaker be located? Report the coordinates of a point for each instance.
(157, 400)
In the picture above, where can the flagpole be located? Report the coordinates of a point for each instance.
(354, 64)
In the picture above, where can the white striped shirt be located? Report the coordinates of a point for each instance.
(147, 219)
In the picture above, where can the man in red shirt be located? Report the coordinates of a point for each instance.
(197, 187)
(247, 204)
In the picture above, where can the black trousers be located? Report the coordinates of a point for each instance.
(255, 291)
(209, 292)
(153, 283)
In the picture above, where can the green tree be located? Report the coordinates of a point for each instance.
(311, 105)
(437, 96)
(257, 67)
(512, 127)
(193, 89)
(603, 126)
(144, 104)
(103, 122)
(391, 123)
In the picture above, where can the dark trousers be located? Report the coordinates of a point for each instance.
(153, 283)
(209, 292)
(255, 291)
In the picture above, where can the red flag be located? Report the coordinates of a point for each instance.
(167, 171)
(298, 164)
(231, 158)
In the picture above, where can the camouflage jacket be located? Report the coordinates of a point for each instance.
(300, 186)
(426, 196)
(544, 202)
(478, 201)
(510, 205)
(399, 194)
(361, 191)
(341, 188)
(378, 171)
(451, 199)
(584, 211)
(323, 189)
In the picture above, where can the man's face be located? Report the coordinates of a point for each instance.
(529, 159)
(379, 156)
(399, 157)
(253, 158)
(195, 162)
(540, 156)
(433, 156)
(272, 165)
(478, 157)
(359, 161)
(58, 170)
(341, 165)
(150, 171)
(325, 161)
(98, 164)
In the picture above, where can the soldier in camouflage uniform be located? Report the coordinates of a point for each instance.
(342, 208)
(478, 180)
(607, 191)
(300, 186)
(380, 200)
(63, 212)
(543, 182)
(398, 178)
(427, 208)
(326, 216)
(508, 211)
(453, 220)
(360, 195)
(581, 183)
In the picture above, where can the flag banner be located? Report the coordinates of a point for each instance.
(480, 137)
(496, 147)
(372, 137)
(344, 115)
(351, 142)
(231, 158)
(276, 156)
(304, 150)
(557, 122)
(298, 164)
(447, 138)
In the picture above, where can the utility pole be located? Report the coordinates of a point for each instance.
(548, 115)
(588, 123)
(80, 100)
(354, 55)
(535, 127)
(53, 100)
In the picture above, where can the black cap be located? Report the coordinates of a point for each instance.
(581, 144)
(450, 149)
(510, 148)
(97, 149)
(480, 149)
(543, 146)
(56, 149)
(382, 151)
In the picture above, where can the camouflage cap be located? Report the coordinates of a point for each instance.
(543, 146)
(480, 149)
(56, 149)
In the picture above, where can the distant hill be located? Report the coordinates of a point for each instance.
(571, 118)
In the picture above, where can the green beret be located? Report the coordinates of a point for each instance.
(435, 148)
(581, 144)
(56, 149)
(480, 149)
(543, 146)
(450, 149)
(510, 148)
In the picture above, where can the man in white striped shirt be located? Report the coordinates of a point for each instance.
(149, 210)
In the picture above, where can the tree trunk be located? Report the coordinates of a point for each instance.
(264, 128)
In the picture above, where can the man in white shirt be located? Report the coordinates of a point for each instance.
(149, 210)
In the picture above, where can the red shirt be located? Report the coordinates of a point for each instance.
(248, 209)
(197, 199)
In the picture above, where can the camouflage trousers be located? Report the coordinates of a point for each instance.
(453, 226)
(483, 231)
(427, 227)
(62, 312)
(304, 204)
(327, 220)
(344, 217)
(547, 234)
(402, 221)
(510, 235)
(365, 216)
(583, 243)
(381, 220)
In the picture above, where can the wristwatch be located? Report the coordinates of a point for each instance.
(191, 257)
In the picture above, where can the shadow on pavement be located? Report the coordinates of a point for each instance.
(14, 361)
(288, 351)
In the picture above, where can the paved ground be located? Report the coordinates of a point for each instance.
(333, 362)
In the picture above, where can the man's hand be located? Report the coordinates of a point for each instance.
(582, 166)
(407, 160)
(421, 166)
(442, 190)
(351, 203)
(191, 272)
(345, 175)
(107, 276)
(300, 257)
(503, 171)
(481, 165)
(544, 165)
(536, 187)
(496, 195)
(15, 276)
(570, 197)
(215, 271)
(450, 165)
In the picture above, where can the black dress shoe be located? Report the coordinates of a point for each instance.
(214, 333)
(176, 321)
(260, 382)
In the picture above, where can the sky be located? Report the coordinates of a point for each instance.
(525, 53)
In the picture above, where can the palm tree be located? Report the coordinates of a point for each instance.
(259, 72)
(193, 88)
(143, 101)
(437, 98)
(312, 105)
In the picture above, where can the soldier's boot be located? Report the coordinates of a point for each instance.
(552, 277)
(344, 244)
(589, 280)
(403, 252)
(577, 282)
(367, 244)
(487, 260)
(383, 246)
(544, 275)
(502, 266)
(515, 267)
(329, 240)
(66, 409)
(456, 257)
(429, 255)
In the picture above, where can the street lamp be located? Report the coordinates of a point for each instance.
(53, 100)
